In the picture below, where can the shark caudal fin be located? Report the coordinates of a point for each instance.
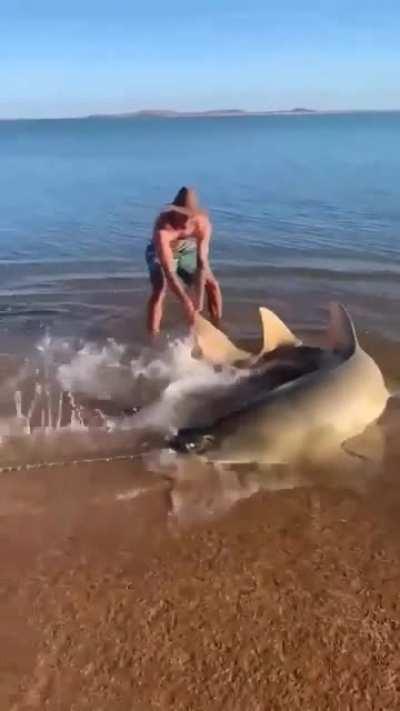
(341, 333)
(214, 345)
(274, 332)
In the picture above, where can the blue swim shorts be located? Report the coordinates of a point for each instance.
(185, 264)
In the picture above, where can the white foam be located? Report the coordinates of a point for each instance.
(48, 396)
(168, 382)
(189, 379)
(92, 370)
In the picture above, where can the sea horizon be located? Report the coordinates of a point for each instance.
(207, 113)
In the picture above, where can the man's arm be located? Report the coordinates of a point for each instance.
(203, 267)
(165, 255)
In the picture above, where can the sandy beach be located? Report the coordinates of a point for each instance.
(113, 599)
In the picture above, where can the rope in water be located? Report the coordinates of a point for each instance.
(66, 463)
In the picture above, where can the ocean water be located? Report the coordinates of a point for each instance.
(305, 209)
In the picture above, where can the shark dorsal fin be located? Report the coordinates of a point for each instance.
(342, 336)
(275, 333)
(214, 345)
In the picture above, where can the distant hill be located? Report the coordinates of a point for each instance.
(166, 113)
(170, 114)
(303, 111)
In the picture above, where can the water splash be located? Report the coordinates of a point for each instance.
(93, 393)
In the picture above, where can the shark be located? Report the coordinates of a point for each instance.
(293, 403)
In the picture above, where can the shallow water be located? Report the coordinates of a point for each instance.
(305, 205)
(306, 209)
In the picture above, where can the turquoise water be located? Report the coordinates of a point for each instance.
(305, 208)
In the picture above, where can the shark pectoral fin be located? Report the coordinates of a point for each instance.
(368, 446)
(274, 332)
(215, 347)
(341, 469)
(341, 334)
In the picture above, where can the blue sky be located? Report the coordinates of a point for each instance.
(74, 57)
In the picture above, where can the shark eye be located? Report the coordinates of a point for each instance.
(205, 443)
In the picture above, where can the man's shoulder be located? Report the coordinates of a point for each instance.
(203, 220)
(161, 224)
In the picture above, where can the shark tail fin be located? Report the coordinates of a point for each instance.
(342, 336)
(274, 332)
(214, 345)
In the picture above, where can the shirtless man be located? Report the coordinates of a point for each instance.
(177, 256)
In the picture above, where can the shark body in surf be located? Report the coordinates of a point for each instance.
(293, 402)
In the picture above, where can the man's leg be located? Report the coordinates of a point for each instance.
(214, 299)
(155, 306)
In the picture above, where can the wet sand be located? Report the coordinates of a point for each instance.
(112, 599)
